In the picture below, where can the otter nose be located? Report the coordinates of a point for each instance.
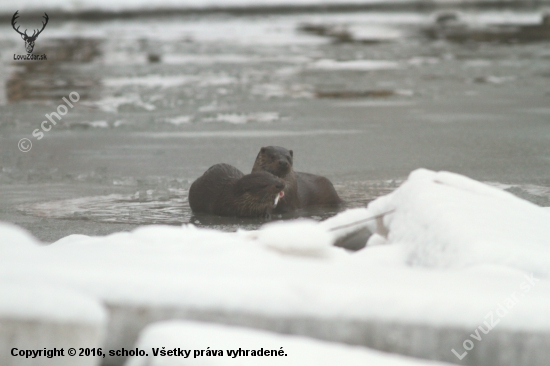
(280, 185)
(283, 163)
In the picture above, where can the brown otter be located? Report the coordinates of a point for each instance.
(224, 190)
(302, 189)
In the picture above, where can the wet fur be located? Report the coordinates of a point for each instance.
(302, 189)
(225, 191)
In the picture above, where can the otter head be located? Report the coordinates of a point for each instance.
(258, 193)
(275, 160)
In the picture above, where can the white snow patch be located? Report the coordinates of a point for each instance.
(15, 239)
(450, 221)
(357, 65)
(37, 300)
(362, 32)
(299, 351)
(236, 118)
(300, 237)
(205, 59)
(112, 104)
(180, 120)
(280, 91)
(151, 81)
(99, 124)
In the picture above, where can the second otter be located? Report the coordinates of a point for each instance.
(302, 189)
(224, 190)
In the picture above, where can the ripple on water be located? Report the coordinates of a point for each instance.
(142, 208)
(170, 207)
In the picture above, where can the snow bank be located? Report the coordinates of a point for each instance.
(461, 252)
(43, 302)
(450, 221)
(15, 239)
(299, 237)
(38, 316)
(298, 351)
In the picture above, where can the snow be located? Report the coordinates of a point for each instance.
(111, 104)
(14, 239)
(35, 315)
(210, 59)
(180, 120)
(450, 250)
(357, 65)
(41, 301)
(302, 238)
(450, 221)
(239, 118)
(299, 351)
(151, 81)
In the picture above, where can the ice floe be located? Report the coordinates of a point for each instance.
(236, 346)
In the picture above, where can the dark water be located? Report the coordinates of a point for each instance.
(362, 98)
(170, 207)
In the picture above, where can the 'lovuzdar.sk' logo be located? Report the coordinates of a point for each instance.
(29, 40)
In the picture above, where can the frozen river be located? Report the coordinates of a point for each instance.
(362, 98)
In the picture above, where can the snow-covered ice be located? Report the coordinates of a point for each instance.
(362, 65)
(39, 316)
(451, 251)
(296, 351)
(450, 221)
(39, 301)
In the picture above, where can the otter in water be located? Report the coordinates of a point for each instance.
(224, 190)
(302, 189)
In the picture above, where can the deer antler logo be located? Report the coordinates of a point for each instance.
(29, 40)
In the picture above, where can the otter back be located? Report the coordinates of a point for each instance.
(316, 190)
(210, 188)
(224, 190)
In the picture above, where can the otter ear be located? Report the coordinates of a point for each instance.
(262, 149)
(291, 153)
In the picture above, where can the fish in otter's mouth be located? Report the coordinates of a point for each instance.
(277, 197)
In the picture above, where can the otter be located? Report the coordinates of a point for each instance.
(225, 191)
(301, 189)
